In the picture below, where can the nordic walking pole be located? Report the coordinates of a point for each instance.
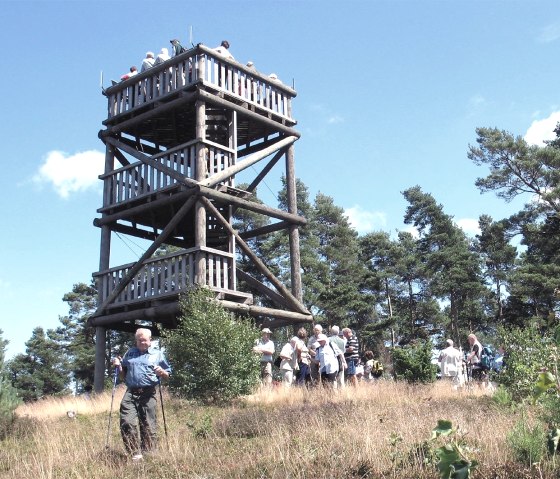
(116, 375)
(163, 414)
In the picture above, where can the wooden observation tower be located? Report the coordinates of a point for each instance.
(176, 135)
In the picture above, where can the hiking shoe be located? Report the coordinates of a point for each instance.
(137, 458)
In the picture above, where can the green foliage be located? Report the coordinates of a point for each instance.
(211, 351)
(527, 444)
(8, 395)
(453, 461)
(527, 352)
(43, 369)
(502, 398)
(453, 269)
(413, 363)
(76, 338)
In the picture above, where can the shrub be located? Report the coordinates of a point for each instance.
(413, 363)
(211, 351)
(8, 395)
(527, 352)
(528, 444)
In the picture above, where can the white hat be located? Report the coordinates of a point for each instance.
(266, 330)
(321, 337)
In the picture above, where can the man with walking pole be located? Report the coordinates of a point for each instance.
(142, 367)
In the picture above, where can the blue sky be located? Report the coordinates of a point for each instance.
(389, 96)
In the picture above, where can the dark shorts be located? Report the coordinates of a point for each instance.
(351, 369)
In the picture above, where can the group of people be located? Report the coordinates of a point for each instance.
(176, 49)
(332, 360)
(459, 368)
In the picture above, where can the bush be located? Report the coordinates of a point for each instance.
(414, 363)
(528, 444)
(8, 395)
(526, 353)
(211, 351)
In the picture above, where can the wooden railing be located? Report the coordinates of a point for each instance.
(201, 64)
(168, 275)
(139, 179)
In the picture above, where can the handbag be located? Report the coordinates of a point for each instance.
(278, 361)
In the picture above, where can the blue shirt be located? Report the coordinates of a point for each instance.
(140, 367)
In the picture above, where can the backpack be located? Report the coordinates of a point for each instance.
(487, 358)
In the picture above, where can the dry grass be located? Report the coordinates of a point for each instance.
(278, 434)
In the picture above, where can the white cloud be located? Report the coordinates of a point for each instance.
(469, 226)
(365, 221)
(550, 33)
(542, 130)
(71, 174)
(333, 119)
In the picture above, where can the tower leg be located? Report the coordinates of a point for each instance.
(99, 374)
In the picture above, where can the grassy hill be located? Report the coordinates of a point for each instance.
(379, 430)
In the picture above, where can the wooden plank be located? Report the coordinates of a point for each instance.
(294, 302)
(148, 253)
(252, 206)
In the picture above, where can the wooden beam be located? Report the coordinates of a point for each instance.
(147, 235)
(264, 230)
(149, 161)
(252, 206)
(135, 210)
(249, 150)
(154, 313)
(246, 163)
(264, 171)
(261, 287)
(252, 310)
(274, 125)
(295, 268)
(155, 108)
(292, 301)
(167, 231)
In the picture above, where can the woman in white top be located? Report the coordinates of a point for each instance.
(327, 353)
(289, 361)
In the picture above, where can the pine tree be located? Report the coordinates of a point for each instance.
(449, 262)
(43, 369)
(9, 399)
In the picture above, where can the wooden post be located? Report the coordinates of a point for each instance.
(297, 289)
(200, 212)
(104, 261)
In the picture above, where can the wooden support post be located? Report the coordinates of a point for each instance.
(297, 289)
(247, 162)
(104, 262)
(200, 212)
(290, 299)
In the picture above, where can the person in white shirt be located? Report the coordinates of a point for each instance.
(265, 347)
(223, 50)
(450, 361)
(148, 62)
(289, 362)
(327, 355)
(162, 56)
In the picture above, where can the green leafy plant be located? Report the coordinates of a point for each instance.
(527, 443)
(453, 461)
(527, 352)
(211, 351)
(414, 363)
